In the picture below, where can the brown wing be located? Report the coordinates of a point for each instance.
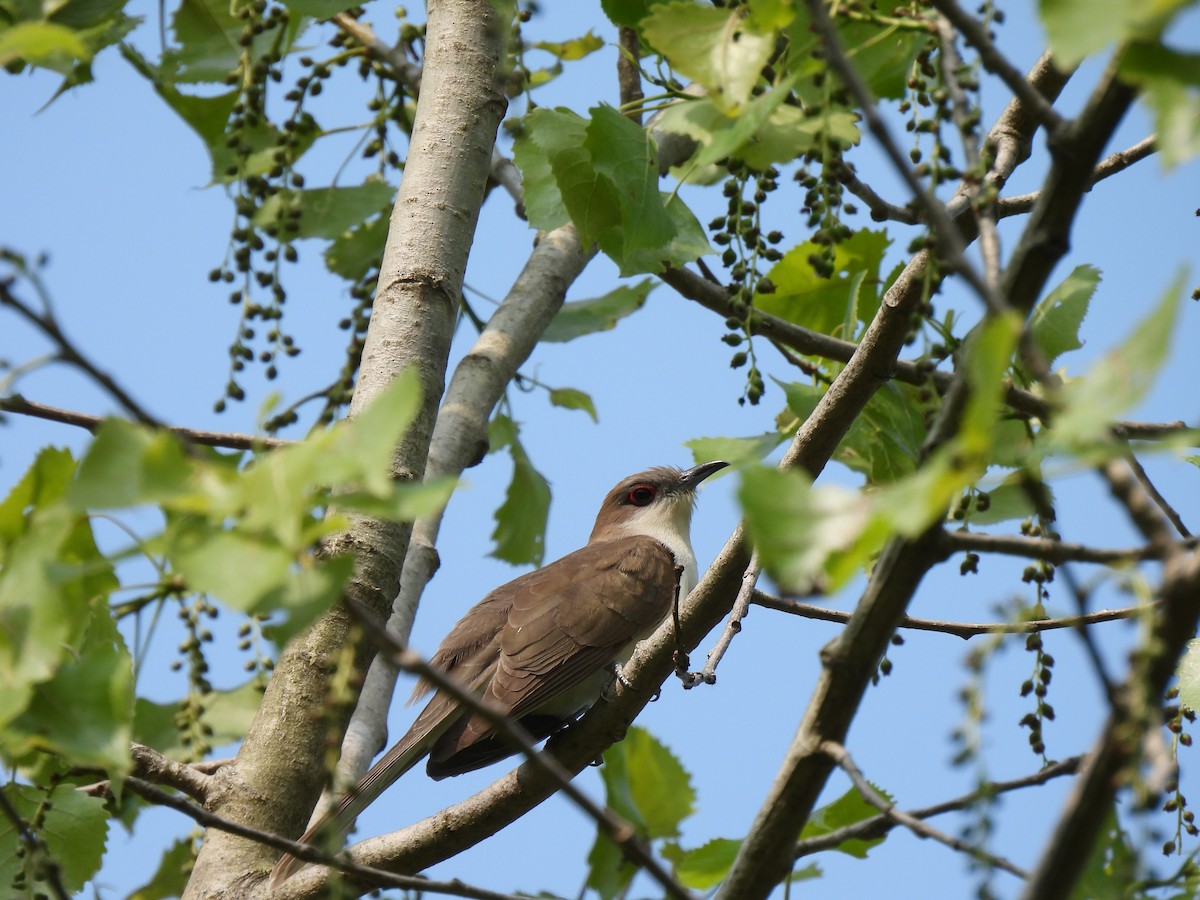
(567, 623)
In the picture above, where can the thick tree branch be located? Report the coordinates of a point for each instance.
(278, 775)
(201, 816)
(1136, 711)
(850, 660)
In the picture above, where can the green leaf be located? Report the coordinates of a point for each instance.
(627, 12)
(806, 299)
(356, 252)
(521, 520)
(1007, 502)
(576, 48)
(206, 32)
(171, 877)
(1189, 676)
(623, 154)
(602, 175)
(1055, 321)
(1078, 28)
(127, 465)
(1112, 866)
(848, 809)
(547, 133)
(74, 830)
(718, 48)
(52, 572)
(580, 317)
(1121, 378)
(327, 212)
(804, 534)
(885, 440)
(43, 483)
(227, 714)
(735, 450)
(569, 398)
(38, 43)
(707, 865)
(659, 785)
(85, 711)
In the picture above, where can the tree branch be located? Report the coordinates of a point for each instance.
(964, 630)
(878, 826)
(366, 874)
(20, 406)
(412, 321)
(72, 355)
(1051, 551)
(842, 757)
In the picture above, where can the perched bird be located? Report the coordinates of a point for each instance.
(543, 647)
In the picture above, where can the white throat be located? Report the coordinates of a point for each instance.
(670, 524)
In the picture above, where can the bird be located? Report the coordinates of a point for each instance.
(543, 647)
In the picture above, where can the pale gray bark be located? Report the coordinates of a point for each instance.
(278, 772)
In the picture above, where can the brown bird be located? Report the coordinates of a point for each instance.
(545, 645)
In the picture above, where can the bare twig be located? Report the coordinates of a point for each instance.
(996, 63)
(402, 68)
(841, 756)
(964, 630)
(881, 210)
(228, 440)
(732, 627)
(877, 826)
(71, 355)
(1051, 551)
(152, 766)
(201, 816)
(1167, 509)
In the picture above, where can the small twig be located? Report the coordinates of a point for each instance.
(152, 766)
(1168, 510)
(1107, 167)
(21, 406)
(967, 121)
(881, 210)
(1051, 551)
(841, 756)
(407, 72)
(71, 355)
(996, 63)
(308, 853)
(1141, 507)
(43, 862)
(613, 826)
(733, 625)
(680, 656)
(1089, 645)
(878, 826)
(964, 630)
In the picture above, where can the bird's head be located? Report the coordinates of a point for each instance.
(657, 503)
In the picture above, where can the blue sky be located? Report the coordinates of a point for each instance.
(112, 185)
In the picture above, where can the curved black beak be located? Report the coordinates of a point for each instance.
(693, 476)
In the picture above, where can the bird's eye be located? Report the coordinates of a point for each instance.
(642, 495)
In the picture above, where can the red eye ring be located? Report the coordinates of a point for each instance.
(642, 494)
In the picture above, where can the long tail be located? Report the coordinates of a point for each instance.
(406, 753)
